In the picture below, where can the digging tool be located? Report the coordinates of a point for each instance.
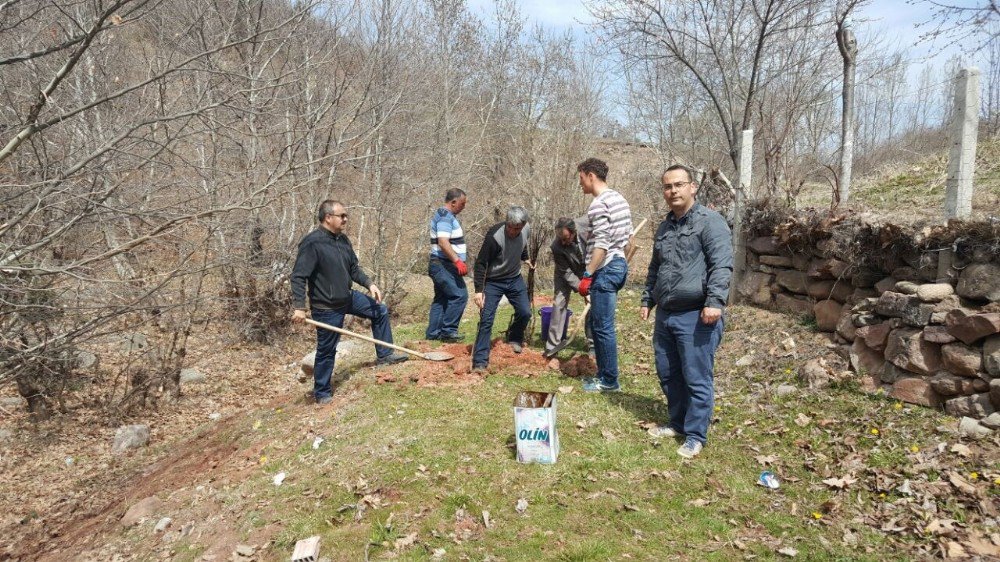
(429, 356)
(632, 248)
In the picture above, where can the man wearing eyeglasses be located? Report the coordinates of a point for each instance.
(327, 264)
(688, 283)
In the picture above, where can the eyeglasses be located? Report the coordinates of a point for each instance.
(342, 216)
(673, 186)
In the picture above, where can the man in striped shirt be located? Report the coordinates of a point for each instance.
(447, 269)
(610, 229)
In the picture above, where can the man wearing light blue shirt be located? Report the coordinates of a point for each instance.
(447, 269)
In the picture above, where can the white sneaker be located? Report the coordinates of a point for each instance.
(662, 431)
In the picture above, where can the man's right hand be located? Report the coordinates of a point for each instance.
(480, 300)
(299, 316)
(461, 267)
(644, 313)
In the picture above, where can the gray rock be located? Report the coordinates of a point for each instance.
(244, 550)
(134, 342)
(801, 261)
(892, 373)
(86, 360)
(745, 361)
(935, 292)
(162, 525)
(776, 261)
(961, 359)
(906, 348)
(991, 421)
(144, 509)
(6, 435)
(815, 374)
(907, 308)
(792, 305)
(972, 429)
(865, 360)
(991, 355)
(12, 402)
(976, 406)
(756, 287)
(765, 245)
(980, 281)
(995, 393)
(130, 437)
(906, 287)
(191, 376)
(915, 390)
(865, 319)
(906, 273)
(307, 363)
(785, 390)
(827, 315)
(937, 334)
(794, 281)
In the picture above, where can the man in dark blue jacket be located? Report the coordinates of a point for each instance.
(326, 262)
(688, 282)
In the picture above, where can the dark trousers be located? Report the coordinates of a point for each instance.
(450, 297)
(362, 306)
(684, 349)
(517, 293)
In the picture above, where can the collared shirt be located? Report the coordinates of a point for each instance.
(444, 224)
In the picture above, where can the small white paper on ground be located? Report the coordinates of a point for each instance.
(279, 478)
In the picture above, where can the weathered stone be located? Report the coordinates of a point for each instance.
(845, 327)
(866, 278)
(776, 261)
(130, 437)
(934, 292)
(801, 261)
(827, 315)
(948, 303)
(794, 281)
(308, 363)
(905, 307)
(892, 373)
(191, 376)
(756, 287)
(829, 268)
(906, 287)
(938, 334)
(991, 355)
(995, 393)
(972, 429)
(793, 305)
(6, 435)
(886, 284)
(905, 273)
(980, 281)
(975, 406)
(815, 374)
(865, 319)
(991, 421)
(12, 402)
(785, 390)
(144, 509)
(768, 269)
(162, 525)
(875, 335)
(865, 305)
(840, 291)
(947, 384)
(133, 342)
(861, 294)
(906, 349)
(765, 245)
(961, 359)
(863, 359)
(245, 551)
(86, 360)
(915, 390)
(973, 327)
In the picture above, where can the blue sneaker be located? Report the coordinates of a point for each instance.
(595, 385)
(690, 448)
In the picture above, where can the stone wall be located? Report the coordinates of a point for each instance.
(935, 344)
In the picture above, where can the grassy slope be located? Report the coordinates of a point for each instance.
(421, 465)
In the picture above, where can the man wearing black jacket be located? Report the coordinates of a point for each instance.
(326, 262)
(569, 257)
(498, 274)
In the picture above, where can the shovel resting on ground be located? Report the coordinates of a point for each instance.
(429, 356)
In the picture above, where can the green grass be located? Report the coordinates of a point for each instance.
(401, 459)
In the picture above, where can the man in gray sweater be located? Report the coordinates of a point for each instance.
(498, 274)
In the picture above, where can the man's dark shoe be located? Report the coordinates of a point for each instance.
(454, 338)
(392, 359)
(324, 400)
(479, 368)
(516, 347)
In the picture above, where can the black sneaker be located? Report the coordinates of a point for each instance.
(392, 359)
(451, 339)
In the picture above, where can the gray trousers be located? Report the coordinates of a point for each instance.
(560, 309)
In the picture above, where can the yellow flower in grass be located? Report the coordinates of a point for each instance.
(974, 475)
(874, 431)
(914, 449)
(882, 495)
(817, 515)
(997, 481)
(898, 405)
(263, 459)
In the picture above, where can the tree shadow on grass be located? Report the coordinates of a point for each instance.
(643, 408)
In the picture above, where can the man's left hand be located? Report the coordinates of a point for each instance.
(376, 294)
(710, 315)
(585, 286)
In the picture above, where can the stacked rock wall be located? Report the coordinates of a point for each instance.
(936, 344)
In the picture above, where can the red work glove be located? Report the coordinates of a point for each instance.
(461, 267)
(585, 286)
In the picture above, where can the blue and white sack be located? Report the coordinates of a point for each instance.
(535, 427)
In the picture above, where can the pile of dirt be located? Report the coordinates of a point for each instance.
(458, 371)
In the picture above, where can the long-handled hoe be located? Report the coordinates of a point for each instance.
(429, 356)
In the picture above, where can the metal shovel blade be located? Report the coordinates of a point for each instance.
(438, 356)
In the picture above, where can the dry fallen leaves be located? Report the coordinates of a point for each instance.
(840, 483)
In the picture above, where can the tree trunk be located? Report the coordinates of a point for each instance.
(849, 51)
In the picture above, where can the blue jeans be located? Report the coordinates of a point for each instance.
(326, 340)
(517, 294)
(684, 349)
(450, 297)
(603, 301)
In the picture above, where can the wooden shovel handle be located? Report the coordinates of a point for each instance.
(365, 338)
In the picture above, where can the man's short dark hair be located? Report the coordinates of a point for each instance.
(595, 166)
(452, 194)
(690, 171)
(326, 208)
(567, 223)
